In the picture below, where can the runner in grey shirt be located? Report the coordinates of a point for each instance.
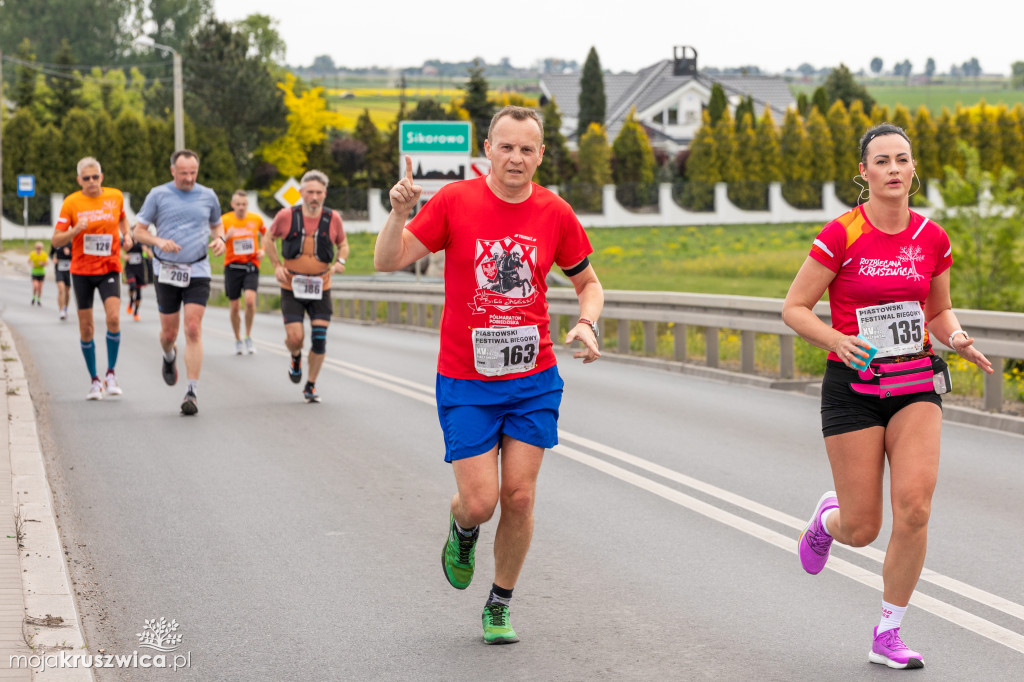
(183, 215)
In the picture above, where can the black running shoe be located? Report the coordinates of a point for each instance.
(310, 394)
(295, 371)
(170, 369)
(189, 406)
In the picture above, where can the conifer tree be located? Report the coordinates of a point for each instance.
(476, 104)
(20, 150)
(24, 90)
(76, 144)
(633, 164)
(557, 167)
(595, 170)
(820, 100)
(797, 188)
(592, 100)
(746, 106)
(717, 103)
(821, 162)
(880, 114)
(845, 153)
(1011, 125)
(376, 167)
(49, 165)
(748, 191)
(702, 169)
(901, 117)
(988, 140)
(926, 150)
(769, 163)
(966, 126)
(947, 133)
(67, 85)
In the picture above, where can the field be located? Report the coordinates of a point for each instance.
(935, 96)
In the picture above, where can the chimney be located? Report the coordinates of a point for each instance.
(685, 61)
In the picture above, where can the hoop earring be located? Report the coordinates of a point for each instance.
(919, 184)
(863, 190)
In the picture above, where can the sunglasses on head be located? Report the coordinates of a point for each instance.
(89, 178)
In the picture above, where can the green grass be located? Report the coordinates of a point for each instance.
(936, 95)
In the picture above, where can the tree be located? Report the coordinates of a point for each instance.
(718, 104)
(558, 167)
(227, 88)
(946, 135)
(127, 166)
(747, 191)
(820, 100)
(876, 65)
(323, 64)
(428, 109)
(795, 147)
(702, 169)
(217, 167)
(25, 76)
(20, 149)
(929, 68)
(77, 135)
(66, 85)
(93, 28)
(821, 164)
(48, 162)
(926, 149)
(1017, 77)
(984, 235)
(841, 84)
(845, 153)
(746, 106)
(265, 43)
(309, 121)
(476, 104)
(987, 138)
(1011, 124)
(374, 164)
(633, 164)
(591, 98)
(172, 22)
(769, 157)
(595, 170)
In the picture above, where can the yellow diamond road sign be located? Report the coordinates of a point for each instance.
(288, 194)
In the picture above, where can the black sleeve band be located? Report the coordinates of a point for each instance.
(580, 267)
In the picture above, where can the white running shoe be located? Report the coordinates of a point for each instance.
(111, 382)
(250, 346)
(239, 347)
(96, 392)
(63, 313)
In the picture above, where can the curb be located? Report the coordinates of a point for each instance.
(51, 623)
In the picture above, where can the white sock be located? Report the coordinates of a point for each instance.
(170, 355)
(193, 386)
(824, 518)
(892, 616)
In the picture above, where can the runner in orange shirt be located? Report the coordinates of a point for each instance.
(242, 256)
(94, 223)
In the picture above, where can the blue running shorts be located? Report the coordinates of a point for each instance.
(475, 414)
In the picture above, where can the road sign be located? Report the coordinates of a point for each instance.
(288, 194)
(434, 137)
(26, 185)
(439, 150)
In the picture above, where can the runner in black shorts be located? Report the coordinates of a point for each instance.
(309, 235)
(243, 251)
(62, 273)
(135, 274)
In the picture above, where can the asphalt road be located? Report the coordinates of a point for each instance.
(302, 542)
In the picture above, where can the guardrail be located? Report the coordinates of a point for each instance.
(418, 304)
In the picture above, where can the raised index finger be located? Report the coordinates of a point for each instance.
(408, 167)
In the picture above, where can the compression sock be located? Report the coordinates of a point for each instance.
(89, 351)
(113, 345)
(193, 386)
(499, 595)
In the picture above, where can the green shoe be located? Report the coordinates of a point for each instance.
(457, 557)
(497, 628)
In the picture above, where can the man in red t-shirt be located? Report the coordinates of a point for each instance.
(498, 389)
(309, 234)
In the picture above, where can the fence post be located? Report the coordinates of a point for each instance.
(624, 337)
(679, 341)
(711, 342)
(747, 342)
(650, 338)
(993, 386)
(787, 357)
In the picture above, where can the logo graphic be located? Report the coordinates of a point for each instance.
(504, 274)
(913, 254)
(159, 635)
(112, 205)
(904, 266)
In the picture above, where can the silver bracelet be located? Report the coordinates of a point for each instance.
(955, 332)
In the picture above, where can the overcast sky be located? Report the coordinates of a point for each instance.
(631, 35)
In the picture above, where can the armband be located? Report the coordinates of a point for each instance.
(580, 267)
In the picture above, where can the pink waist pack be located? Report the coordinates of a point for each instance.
(888, 379)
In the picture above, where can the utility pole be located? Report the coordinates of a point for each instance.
(1, 150)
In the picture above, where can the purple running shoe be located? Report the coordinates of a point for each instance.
(888, 649)
(814, 543)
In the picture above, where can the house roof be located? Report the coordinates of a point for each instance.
(642, 89)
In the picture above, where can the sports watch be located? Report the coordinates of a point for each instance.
(592, 325)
